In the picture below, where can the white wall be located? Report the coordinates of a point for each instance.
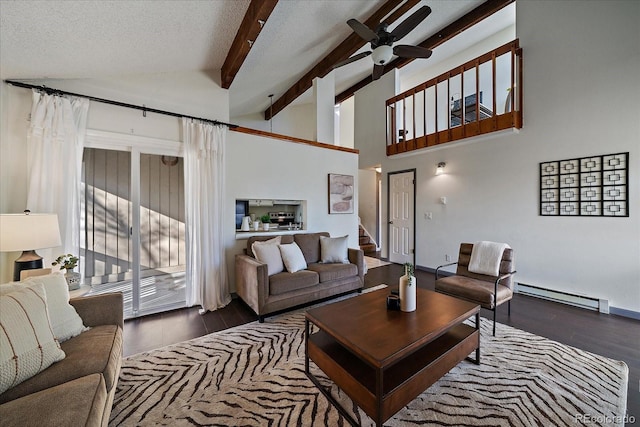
(16, 109)
(410, 79)
(264, 168)
(367, 205)
(580, 99)
(346, 123)
(370, 119)
(297, 120)
(324, 101)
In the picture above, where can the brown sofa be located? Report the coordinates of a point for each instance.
(79, 389)
(270, 294)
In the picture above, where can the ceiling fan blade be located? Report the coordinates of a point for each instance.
(406, 51)
(352, 59)
(411, 22)
(362, 30)
(377, 71)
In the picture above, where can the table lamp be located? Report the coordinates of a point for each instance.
(27, 232)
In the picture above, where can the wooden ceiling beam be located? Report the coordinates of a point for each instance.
(254, 19)
(481, 12)
(344, 50)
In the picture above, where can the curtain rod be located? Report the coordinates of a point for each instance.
(144, 109)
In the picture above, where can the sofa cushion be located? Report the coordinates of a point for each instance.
(473, 289)
(65, 321)
(309, 245)
(284, 239)
(335, 271)
(27, 344)
(284, 282)
(79, 402)
(292, 257)
(334, 249)
(96, 351)
(267, 252)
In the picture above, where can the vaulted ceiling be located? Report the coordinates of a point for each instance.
(105, 39)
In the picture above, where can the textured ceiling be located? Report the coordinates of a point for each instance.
(75, 39)
(106, 39)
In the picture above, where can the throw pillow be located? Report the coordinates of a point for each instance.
(267, 252)
(65, 321)
(292, 257)
(334, 249)
(27, 344)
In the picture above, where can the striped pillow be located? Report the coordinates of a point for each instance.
(27, 344)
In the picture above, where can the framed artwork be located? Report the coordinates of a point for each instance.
(340, 194)
(588, 186)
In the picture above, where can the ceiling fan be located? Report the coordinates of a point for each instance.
(382, 42)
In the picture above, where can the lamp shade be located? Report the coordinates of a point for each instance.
(382, 54)
(24, 232)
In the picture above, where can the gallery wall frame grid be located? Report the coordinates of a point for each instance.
(585, 186)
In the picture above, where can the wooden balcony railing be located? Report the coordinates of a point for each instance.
(481, 96)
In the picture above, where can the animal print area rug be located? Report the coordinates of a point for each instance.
(253, 375)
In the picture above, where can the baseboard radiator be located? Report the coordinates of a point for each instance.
(582, 301)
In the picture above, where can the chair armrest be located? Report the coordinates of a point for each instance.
(104, 309)
(356, 256)
(504, 276)
(444, 265)
(252, 281)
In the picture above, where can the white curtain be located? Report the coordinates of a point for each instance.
(55, 141)
(206, 275)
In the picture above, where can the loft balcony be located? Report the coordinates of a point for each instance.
(483, 95)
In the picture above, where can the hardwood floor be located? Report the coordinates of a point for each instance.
(608, 335)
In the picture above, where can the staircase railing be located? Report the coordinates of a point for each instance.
(366, 232)
(481, 96)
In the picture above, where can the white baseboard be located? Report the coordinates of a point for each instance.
(582, 301)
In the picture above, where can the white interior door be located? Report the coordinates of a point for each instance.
(401, 217)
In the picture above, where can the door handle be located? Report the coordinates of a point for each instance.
(390, 222)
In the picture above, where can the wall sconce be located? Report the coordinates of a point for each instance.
(440, 168)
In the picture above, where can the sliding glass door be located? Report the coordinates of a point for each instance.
(133, 228)
(162, 245)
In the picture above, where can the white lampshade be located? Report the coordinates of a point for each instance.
(382, 54)
(24, 232)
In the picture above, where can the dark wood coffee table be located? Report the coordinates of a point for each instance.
(384, 359)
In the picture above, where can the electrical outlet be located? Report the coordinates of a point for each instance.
(447, 258)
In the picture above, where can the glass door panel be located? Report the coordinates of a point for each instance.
(162, 243)
(106, 208)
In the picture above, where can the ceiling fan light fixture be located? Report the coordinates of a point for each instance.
(382, 54)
